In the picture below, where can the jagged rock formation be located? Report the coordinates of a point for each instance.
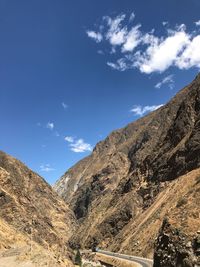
(31, 210)
(122, 191)
(175, 249)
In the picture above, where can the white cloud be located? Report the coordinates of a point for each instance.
(118, 38)
(113, 50)
(167, 80)
(197, 23)
(121, 64)
(69, 139)
(138, 110)
(116, 34)
(50, 125)
(191, 55)
(80, 146)
(100, 52)
(96, 36)
(160, 56)
(150, 39)
(147, 51)
(132, 16)
(164, 23)
(132, 39)
(46, 168)
(114, 24)
(65, 106)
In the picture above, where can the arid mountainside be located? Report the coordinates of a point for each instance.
(31, 213)
(137, 175)
(174, 248)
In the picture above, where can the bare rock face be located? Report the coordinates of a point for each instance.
(30, 206)
(175, 249)
(119, 192)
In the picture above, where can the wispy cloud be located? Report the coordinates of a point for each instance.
(121, 64)
(96, 36)
(164, 23)
(69, 139)
(100, 52)
(133, 38)
(197, 23)
(167, 80)
(65, 106)
(138, 110)
(132, 17)
(78, 145)
(147, 51)
(46, 168)
(116, 33)
(191, 55)
(50, 125)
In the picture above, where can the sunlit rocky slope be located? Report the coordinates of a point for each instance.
(31, 213)
(138, 175)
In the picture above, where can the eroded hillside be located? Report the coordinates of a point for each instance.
(123, 190)
(31, 211)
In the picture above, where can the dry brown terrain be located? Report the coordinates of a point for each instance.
(31, 212)
(119, 195)
(17, 250)
(138, 175)
(179, 202)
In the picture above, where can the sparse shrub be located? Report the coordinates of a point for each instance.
(78, 260)
(182, 201)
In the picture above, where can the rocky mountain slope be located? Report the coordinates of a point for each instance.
(31, 213)
(137, 175)
(174, 248)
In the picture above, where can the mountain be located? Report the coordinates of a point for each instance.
(32, 215)
(136, 176)
(173, 248)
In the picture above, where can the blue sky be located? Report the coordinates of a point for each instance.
(73, 71)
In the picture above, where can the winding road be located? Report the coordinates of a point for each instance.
(142, 261)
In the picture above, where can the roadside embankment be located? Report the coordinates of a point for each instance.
(116, 262)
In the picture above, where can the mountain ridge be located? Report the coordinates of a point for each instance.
(127, 171)
(114, 134)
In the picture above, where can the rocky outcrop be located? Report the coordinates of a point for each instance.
(134, 169)
(32, 209)
(175, 249)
